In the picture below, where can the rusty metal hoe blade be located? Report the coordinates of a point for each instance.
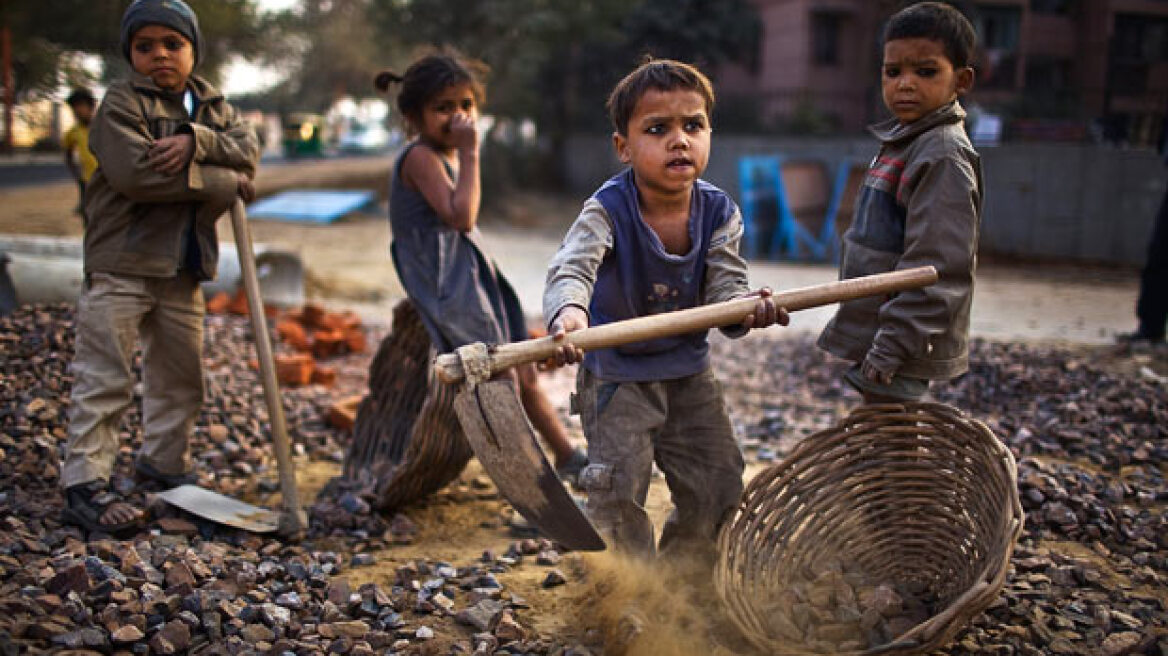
(505, 443)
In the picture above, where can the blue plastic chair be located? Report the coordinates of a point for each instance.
(849, 176)
(760, 185)
(762, 182)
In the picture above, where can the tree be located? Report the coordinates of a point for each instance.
(46, 36)
(330, 49)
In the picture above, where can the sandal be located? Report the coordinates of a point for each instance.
(574, 465)
(145, 471)
(85, 504)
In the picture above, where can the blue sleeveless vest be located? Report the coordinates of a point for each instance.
(638, 277)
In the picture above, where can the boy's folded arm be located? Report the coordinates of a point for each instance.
(941, 229)
(121, 140)
(726, 276)
(237, 147)
(572, 271)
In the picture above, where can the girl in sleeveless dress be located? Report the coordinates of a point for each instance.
(437, 250)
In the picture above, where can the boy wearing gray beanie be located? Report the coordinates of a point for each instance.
(173, 155)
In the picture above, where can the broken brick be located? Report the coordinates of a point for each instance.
(324, 375)
(343, 413)
(312, 316)
(327, 343)
(293, 334)
(294, 369)
(238, 304)
(355, 340)
(218, 303)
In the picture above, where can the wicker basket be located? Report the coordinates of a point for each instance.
(407, 442)
(915, 494)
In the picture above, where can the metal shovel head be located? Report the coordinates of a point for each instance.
(505, 443)
(222, 509)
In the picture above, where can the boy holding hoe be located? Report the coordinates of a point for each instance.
(173, 155)
(655, 238)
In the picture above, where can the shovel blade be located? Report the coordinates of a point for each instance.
(505, 443)
(222, 509)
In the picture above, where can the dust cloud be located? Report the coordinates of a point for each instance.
(663, 607)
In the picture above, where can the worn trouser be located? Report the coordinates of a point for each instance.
(112, 312)
(680, 424)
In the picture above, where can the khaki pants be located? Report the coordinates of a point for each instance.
(113, 311)
(682, 425)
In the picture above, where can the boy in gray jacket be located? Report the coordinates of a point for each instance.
(655, 238)
(920, 204)
(173, 156)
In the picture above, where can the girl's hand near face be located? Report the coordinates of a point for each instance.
(464, 132)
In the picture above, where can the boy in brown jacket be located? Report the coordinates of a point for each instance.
(920, 204)
(173, 156)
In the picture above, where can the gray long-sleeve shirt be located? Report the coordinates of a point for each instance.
(572, 272)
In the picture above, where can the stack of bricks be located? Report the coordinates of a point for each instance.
(316, 334)
(310, 332)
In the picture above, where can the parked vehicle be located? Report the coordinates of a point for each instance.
(365, 138)
(303, 135)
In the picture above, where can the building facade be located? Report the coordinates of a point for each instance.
(1055, 69)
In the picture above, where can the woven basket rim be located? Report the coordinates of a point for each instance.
(1005, 522)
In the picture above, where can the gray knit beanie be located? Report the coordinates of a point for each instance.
(174, 14)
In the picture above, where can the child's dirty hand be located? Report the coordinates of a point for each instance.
(570, 319)
(765, 312)
(246, 189)
(464, 132)
(170, 155)
(872, 373)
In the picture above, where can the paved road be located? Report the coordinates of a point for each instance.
(24, 170)
(1079, 304)
(1076, 304)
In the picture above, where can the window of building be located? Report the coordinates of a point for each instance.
(825, 38)
(997, 30)
(998, 27)
(1140, 38)
(1137, 43)
(1048, 73)
(1058, 7)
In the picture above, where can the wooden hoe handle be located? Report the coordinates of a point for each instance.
(292, 521)
(448, 367)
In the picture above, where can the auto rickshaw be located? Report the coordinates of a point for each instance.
(303, 135)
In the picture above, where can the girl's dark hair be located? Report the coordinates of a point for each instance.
(428, 76)
(660, 75)
(939, 21)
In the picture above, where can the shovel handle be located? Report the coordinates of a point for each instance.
(448, 367)
(291, 521)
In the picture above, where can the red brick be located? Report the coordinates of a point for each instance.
(218, 303)
(324, 375)
(343, 413)
(238, 303)
(295, 369)
(355, 340)
(327, 343)
(293, 334)
(313, 316)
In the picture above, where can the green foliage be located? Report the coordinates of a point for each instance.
(46, 36)
(328, 49)
(702, 32)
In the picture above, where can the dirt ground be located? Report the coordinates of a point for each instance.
(348, 266)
